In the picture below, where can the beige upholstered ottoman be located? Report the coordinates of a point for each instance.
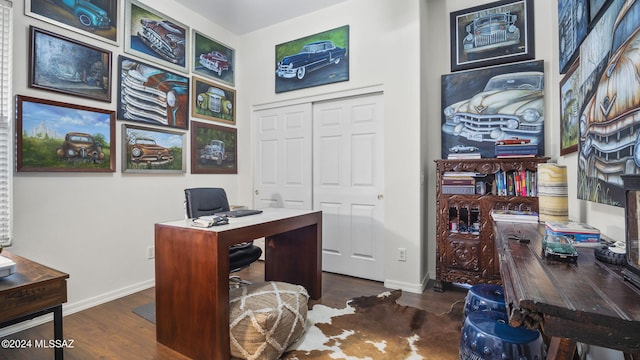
(265, 318)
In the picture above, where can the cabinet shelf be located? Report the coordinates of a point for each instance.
(466, 251)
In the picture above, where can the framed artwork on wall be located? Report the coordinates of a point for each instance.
(60, 137)
(570, 106)
(609, 144)
(212, 101)
(596, 8)
(314, 60)
(155, 37)
(212, 59)
(97, 19)
(573, 23)
(496, 33)
(151, 95)
(482, 106)
(149, 150)
(64, 65)
(213, 149)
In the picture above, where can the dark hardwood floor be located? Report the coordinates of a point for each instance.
(113, 331)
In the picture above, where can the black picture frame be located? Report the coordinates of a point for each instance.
(470, 52)
(64, 65)
(213, 149)
(573, 24)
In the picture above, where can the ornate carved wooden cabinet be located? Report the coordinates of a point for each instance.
(466, 251)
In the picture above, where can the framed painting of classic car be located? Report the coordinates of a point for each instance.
(58, 137)
(496, 33)
(151, 95)
(314, 60)
(97, 18)
(61, 64)
(156, 37)
(573, 23)
(570, 106)
(212, 59)
(214, 102)
(149, 150)
(483, 106)
(213, 149)
(609, 140)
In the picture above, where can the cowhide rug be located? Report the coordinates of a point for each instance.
(376, 327)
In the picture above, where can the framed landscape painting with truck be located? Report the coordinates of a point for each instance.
(213, 149)
(61, 137)
(149, 150)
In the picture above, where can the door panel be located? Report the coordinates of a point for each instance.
(349, 183)
(283, 157)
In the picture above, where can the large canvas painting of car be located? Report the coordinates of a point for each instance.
(609, 125)
(156, 37)
(151, 95)
(95, 18)
(314, 60)
(212, 59)
(61, 137)
(152, 150)
(212, 101)
(482, 107)
(213, 149)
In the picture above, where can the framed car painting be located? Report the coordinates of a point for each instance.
(314, 60)
(151, 95)
(572, 30)
(64, 65)
(149, 150)
(212, 101)
(496, 33)
(570, 107)
(213, 149)
(483, 106)
(97, 19)
(156, 37)
(58, 137)
(212, 59)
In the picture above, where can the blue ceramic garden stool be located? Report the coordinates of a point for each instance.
(484, 297)
(487, 335)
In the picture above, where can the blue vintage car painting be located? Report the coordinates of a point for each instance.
(315, 60)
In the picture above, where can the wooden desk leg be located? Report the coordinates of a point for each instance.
(561, 349)
(57, 331)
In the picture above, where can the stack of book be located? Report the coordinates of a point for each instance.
(579, 233)
(467, 155)
(516, 183)
(516, 216)
(458, 183)
(516, 150)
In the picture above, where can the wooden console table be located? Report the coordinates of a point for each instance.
(192, 273)
(33, 290)
(587, 301)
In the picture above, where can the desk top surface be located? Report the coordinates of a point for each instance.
(267, 215)
(588, 292)
(28, 272)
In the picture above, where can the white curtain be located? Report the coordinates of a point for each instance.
(6, 121)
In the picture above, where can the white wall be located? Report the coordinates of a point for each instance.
(384, 52)
(609, 219)
(97, 227)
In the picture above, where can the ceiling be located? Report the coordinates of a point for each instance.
(244, 16)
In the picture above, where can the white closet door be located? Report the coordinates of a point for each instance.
(282, 153)
(348, 184)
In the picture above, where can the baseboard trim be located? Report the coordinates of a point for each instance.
(409, 287)
(70, 308)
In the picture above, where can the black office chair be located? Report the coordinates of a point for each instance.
(208, 201)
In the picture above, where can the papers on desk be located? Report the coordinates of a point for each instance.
(516, 216)
(7, 266)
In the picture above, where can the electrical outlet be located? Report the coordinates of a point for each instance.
(151, 252)
(402, 254)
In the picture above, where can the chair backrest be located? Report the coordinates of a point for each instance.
(205, 201)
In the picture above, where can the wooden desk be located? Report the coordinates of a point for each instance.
(587, 302)
(192, 273)
(33, 290)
